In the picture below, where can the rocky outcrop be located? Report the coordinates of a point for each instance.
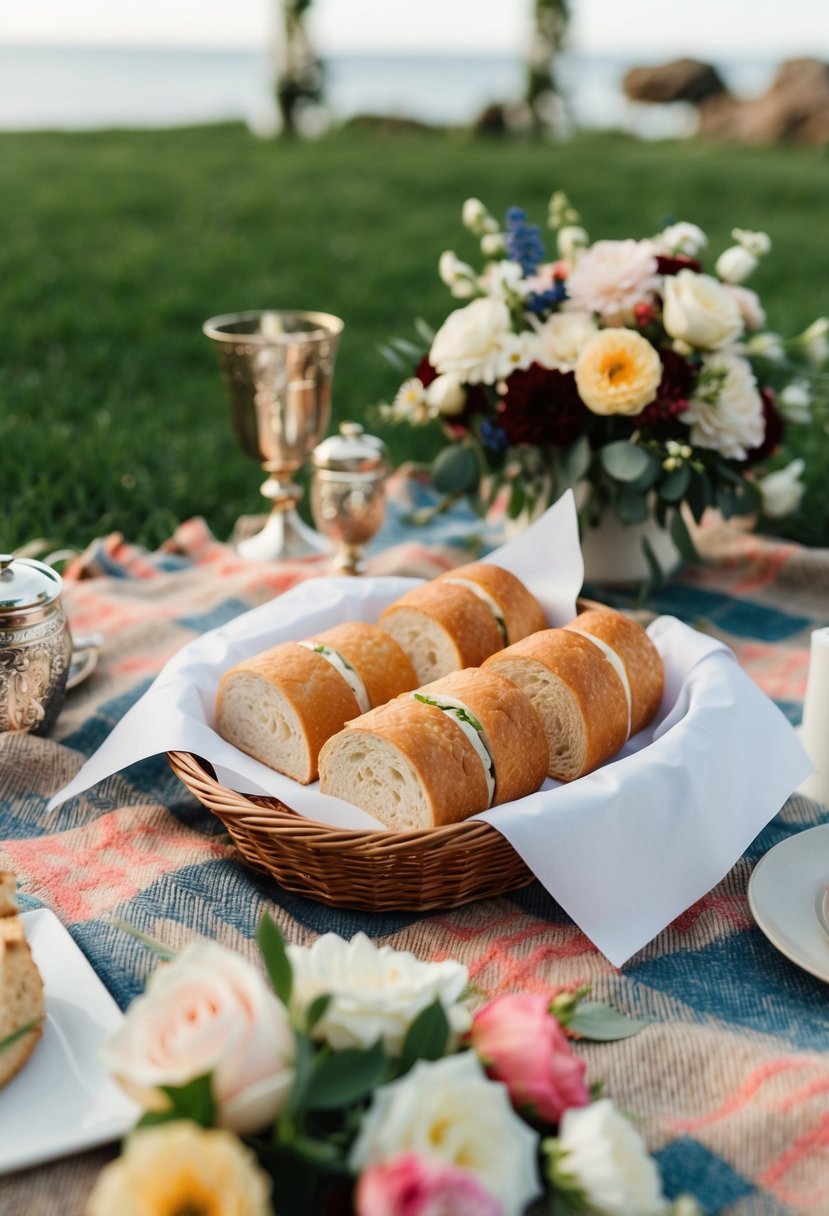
(794, 109)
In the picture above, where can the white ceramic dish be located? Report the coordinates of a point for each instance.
(82, 664)
(787, 897)
(62, 1101)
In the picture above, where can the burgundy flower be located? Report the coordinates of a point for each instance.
(425, 372)
(774, 427)
(673, 392)
(673, 265)
(542, 406)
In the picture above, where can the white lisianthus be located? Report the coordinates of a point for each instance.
(458, 276)
(446, 395)
(726, 411)
(698, 310)
(450, 1111)
(410, 403)
(815, 341)
(782, 490)
(748, 302)
(562, 338)
(493, 245)
(571, 240)
(376, 992)
(795, 402)
(471, 342)
(767, 346)
(682, 238)
(735, 264)
(504, 279)
(476, 218)
(604, 1154)
(756, 243)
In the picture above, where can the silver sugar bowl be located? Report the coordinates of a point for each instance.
(35, 645)
(348, 492)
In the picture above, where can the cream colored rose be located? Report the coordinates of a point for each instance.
(782, 490)
(376, 992)
(726, 412)
(208, 1011)
(735, 264)
(562, 338)
(470, 343)
(181, 1167)
(618, 372)
(449, 1110)
(605, 1154)
(446, 395)
(700, 311)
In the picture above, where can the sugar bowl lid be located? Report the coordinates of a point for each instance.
(26, 583)
(351, 451)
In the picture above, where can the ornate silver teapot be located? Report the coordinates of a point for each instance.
(35, 645)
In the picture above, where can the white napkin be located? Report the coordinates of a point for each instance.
(623, 850)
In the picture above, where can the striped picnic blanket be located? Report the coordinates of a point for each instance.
(730, 1082)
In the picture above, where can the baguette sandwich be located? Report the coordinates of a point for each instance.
(592, 683)
(21, 988)
(444, 752)
(281, 706)
(460, 618)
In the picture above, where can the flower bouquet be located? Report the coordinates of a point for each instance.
(621, 367)
(358, 1081)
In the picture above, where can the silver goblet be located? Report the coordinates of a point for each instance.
(278, 367)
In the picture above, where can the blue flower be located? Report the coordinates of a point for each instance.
(493, 436)
(542, 301)
(523, 241)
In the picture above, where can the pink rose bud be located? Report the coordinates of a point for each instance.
(522, 1044)
(409, 1185)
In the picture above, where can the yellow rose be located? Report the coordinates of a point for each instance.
(618, 372)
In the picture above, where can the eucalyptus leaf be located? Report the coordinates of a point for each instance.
(727, 500)
(597, 1021)
(700, 493)
(647, 479)
(573, 462)
(272, 944)
(455, 470)
(674, 487)
(631, 506)
(345, 1077)
(427, 1036)
(517, 501)
(624, 461)
(682, 537)
(303, 1069)
(408, 348)
(396, 360)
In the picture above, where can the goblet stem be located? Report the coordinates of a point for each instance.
(284, 536)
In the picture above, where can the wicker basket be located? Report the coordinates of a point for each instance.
(375, 871)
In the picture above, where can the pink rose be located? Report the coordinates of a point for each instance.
(520, 1043)
(409, 1185)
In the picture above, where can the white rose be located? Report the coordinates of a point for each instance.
(449, 1110)
(446, 395)
(698, 310)
(470, 342)
(795, 402)
(748, 302)
(682, 238)
(782, 490)
(208, 1011)
(562, 338)
(607, 1157)
(726, 411)
(376, 992)
(458, 276)
(735, 264)
(571, 240)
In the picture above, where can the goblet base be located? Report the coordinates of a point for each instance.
(283, 537)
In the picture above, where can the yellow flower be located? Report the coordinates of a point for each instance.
(618, 372)
(181, 1169)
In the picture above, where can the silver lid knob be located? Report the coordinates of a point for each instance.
(352, 451)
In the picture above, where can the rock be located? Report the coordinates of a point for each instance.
(680, 80)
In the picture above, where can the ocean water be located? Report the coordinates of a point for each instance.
(92, 88)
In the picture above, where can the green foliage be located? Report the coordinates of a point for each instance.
(272, 944)
(191, 1101)
(427, 1038)
(599, 1022)
(119, 244)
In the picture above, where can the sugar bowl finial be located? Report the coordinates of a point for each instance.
(348, 496)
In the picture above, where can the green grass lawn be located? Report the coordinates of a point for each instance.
(117, 245)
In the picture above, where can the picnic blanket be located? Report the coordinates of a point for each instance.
(729, 1082)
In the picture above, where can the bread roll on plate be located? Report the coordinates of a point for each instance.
(21, 988)
(460, 618)
(585, 693)
(446, 751)
(281, 706)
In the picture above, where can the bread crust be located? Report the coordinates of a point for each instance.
(379, 661)
(513, 733)
(436, 748)
(465, 619)
(642, 660)
(592, 682)
(522, 612)
(21, 986)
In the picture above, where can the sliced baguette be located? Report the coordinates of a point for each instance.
(641, 659)
(507, 596)
(21, 988)
(577, 693)
(412, 766)
(282, 705)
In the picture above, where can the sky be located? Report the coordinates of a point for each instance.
(646, 28)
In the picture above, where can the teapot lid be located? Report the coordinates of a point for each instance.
(26, 583)
(351, 451)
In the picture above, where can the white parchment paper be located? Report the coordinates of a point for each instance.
(625, 849)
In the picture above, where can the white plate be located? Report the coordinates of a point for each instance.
(62, 1100)
(786, 894)
(82, 664)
